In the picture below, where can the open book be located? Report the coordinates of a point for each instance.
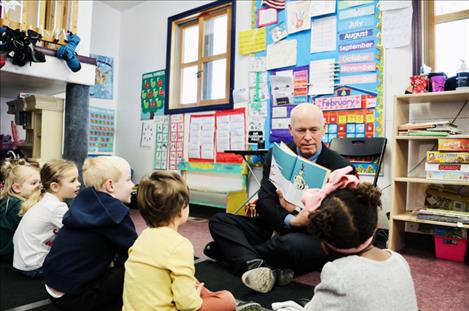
(293, 174)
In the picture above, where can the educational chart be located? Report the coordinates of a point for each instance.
(202, 138)
(160, 161)
(230, 134)
(100, 130)
(103, 87)
(176, 141)
(152, 94)
(333, 59)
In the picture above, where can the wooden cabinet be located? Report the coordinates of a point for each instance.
(404, 198)
(42, 118)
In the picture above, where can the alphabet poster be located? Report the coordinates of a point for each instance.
(100, 130)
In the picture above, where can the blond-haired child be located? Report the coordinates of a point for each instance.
(85, 267)
(159, 274)
(21, 181)
(39, 226)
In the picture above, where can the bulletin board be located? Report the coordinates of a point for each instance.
(336, 48)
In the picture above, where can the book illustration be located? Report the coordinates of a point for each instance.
(293, 174)
(299, 180)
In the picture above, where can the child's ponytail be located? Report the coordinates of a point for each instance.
(35, 197)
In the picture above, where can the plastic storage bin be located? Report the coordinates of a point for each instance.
(450, 248)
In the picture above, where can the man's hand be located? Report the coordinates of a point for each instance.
(289, 207)
(301, 219)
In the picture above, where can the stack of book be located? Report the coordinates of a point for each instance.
(450, 162)
(443, 204)
(432, 128)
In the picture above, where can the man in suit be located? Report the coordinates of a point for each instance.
(278, 237)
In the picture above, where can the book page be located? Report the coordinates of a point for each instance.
(281, 167)
(305, 175)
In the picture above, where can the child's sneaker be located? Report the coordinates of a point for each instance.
(249, 306)
(261, 279)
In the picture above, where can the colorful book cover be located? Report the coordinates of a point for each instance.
(453, 144)
(446, 167)
(293, 174)
(447, 157)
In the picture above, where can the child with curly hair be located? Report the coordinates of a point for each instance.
(344, 216)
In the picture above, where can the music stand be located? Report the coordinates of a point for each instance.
(243, 154)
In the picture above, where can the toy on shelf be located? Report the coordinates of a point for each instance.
(67, 52)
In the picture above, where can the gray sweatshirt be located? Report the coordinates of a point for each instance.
(358, 283)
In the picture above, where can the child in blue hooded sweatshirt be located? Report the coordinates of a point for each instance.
(85, 267)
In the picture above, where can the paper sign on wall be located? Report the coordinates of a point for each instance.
(252, 41)
(281, 54)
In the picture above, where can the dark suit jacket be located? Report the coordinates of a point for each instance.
(268, 205)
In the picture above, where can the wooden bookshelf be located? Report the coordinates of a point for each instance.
(400, 160)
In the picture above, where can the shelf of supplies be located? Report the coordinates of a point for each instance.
(409, 217)
(465, 136)
(434, 98)
(422, 180)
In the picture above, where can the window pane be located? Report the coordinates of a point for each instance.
(215, 35)
(191, 44)
(444, 7)
(448, 50)
(214, 79)
(189, 85)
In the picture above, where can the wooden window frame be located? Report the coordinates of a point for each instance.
(431, 22)
(174, 64)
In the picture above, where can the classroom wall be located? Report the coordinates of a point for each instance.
(105, 41)
(143, 49)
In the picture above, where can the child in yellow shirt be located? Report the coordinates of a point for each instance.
(159, 273)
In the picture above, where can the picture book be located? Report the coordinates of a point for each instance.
(293, 174)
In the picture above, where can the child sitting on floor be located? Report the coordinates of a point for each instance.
(366, 278)
(159, 274)
(85, 267)
(39, 226)
(21, 181)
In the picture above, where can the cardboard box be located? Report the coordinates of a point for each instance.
(453, 144)
(447, 157)
(448, 175)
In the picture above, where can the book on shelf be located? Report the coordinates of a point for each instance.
(422, 133)
(453, 144)
(423, 125)
(293, 174)
(446, 167)
(441, 218)
(442, 215)
(447, 157)
(448, 175)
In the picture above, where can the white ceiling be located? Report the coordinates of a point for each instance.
(122, 5)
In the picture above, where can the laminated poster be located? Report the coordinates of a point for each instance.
(160, 160)
(153, 94)
(103, 87)
(101, 130)
(176, 141)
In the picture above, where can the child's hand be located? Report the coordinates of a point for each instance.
(301, 219)
(198, 287)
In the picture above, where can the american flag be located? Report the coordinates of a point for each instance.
(276, 4)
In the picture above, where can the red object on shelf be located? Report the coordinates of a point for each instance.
(450, 248)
